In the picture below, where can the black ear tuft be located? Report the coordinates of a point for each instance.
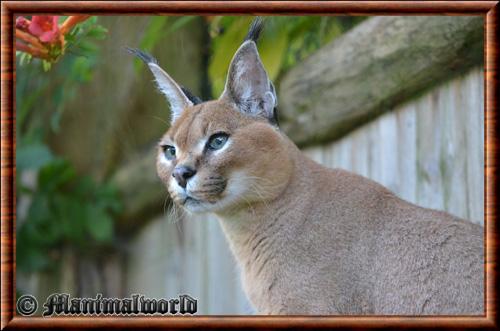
(193, 98)
(255, 30)
(145, 57)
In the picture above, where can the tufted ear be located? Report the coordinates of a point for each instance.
(173, 92)
(247, 83)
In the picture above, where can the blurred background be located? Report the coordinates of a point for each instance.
(396, 99)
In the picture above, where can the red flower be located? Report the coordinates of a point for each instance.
(42, 37)
(22, 23)
(45, 28)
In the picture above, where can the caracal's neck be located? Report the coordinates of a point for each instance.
(241, 225)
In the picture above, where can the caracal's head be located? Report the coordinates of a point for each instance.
(226, 154)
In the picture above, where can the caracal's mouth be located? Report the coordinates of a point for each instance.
(195, 205)
(208, 197)
(188, 200)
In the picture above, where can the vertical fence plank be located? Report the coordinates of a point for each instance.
(193, 259)
(429, 180)
(407, 151)
(359, 153)
(389, 157)
(474, 128)
(453, 149)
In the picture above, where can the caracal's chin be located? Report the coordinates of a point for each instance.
(233, 195)
(201, 207)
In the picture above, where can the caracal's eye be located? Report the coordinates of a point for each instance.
(217, 141)
(169, 152)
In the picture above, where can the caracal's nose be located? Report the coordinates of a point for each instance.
(182, 175)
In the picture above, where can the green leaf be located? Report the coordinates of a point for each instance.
(91, 20)
(108, 197)
(153, 32)
(71, 216)
(29, 258)
(87, 48)
(46, 65)
(179, 23)
(156, 31)
(97, 32)
(55, 174)
(151, 36)
(24, 58)
(42, 232)
(33, 156)
(99, 225)
(39, 209)
(81, 70)
(223, 49)
(272, 49)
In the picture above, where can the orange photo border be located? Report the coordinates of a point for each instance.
(487, 9)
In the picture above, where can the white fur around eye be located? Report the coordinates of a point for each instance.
(200, 146)
(226, 145)
(163, 158)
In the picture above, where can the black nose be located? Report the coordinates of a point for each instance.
(182, 174)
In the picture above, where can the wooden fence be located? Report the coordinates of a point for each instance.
(428, 151)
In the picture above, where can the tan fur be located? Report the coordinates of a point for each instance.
(266, 176)
(311, 240)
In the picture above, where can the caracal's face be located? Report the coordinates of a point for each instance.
(215, 158)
